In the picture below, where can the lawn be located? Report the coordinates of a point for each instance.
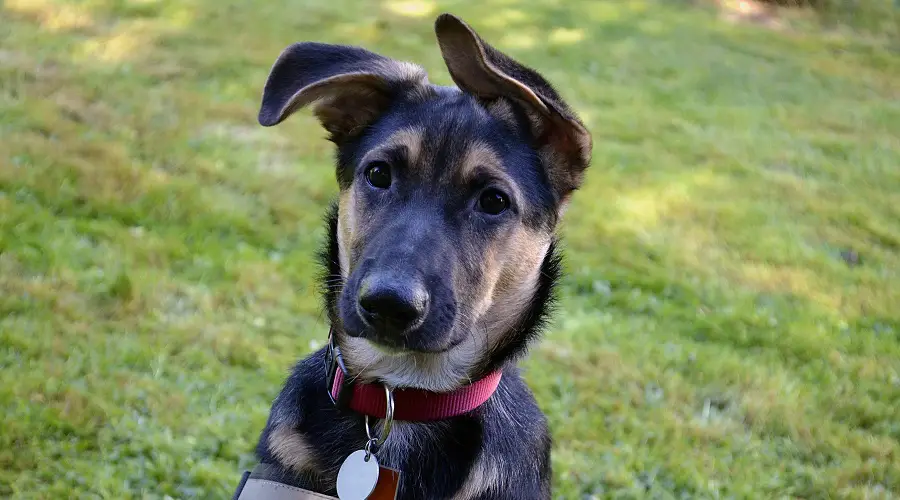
(730, 317)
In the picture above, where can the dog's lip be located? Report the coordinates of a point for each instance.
(395, 350)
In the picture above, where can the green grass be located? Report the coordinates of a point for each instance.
(156, 244)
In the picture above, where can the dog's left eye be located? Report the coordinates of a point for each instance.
(493, 202)
(378, 173)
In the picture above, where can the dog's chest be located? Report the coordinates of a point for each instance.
(409, 441)
(434, 460)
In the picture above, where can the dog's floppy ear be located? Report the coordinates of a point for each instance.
(481, 70)
(351, 85)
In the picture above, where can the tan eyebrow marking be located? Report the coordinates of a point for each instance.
(478, 155)
(411, 139)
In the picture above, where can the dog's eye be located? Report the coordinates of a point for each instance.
(378, 173)
(493, 202)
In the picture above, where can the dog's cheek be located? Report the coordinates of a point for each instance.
(482, 285)
(502, 264)
(347, 221)
(517, 279)
(469, 270)
(523, 256)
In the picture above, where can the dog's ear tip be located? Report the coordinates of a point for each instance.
(444, 17)
(267, 119)
(447, 21)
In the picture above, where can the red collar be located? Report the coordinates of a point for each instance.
(409, 404)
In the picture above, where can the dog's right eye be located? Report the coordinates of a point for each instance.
(493, 202)
(378, 173)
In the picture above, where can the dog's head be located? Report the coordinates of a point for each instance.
(441, 255)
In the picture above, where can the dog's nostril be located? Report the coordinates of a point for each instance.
(400, 304)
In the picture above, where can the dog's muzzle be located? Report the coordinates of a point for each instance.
(392, 303)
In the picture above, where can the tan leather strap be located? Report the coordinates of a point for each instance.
(263, 484)
(263, 489)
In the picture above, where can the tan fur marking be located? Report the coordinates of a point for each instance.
(517, 280)
(346, 228)
(291, 449)
(485, 476)
(509, 270)
(411, 138)
(479, 155)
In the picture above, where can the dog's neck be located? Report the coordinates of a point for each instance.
(468, 361)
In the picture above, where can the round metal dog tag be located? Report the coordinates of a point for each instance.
(357, 477)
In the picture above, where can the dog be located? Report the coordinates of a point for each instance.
(439, 271)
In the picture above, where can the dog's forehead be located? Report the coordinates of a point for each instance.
(451, 140)
(449, 136)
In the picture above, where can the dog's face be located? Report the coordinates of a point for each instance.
(449, 198)
(445, 212)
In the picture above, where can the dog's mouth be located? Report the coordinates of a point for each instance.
(392, 349)
(393, 343)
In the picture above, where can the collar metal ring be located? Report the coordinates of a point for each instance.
(388, 420)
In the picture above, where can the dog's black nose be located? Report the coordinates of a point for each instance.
(388, 300)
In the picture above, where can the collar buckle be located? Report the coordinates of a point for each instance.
(334, 362)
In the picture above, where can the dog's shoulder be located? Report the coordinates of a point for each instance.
(515, 458)
(300, 418)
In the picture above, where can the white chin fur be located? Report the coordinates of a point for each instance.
(437, 372)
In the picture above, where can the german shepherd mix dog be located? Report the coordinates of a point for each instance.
(439, 271)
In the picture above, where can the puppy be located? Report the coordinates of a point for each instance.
(439, 271)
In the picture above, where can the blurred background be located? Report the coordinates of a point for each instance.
(730, 316)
